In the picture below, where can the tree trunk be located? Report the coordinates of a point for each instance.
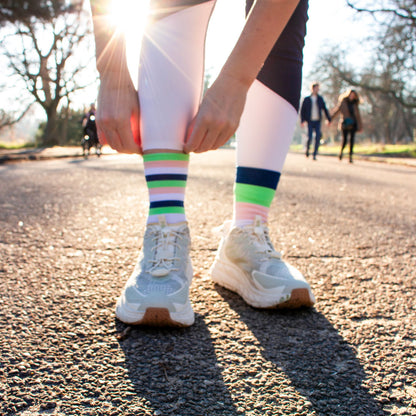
(64, 134)
(50, 134)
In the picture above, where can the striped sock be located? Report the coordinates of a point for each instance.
(253, 194)
(166, 175)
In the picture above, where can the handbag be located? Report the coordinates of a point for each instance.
(348, 123)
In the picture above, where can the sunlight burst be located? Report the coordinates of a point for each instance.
(129, 16)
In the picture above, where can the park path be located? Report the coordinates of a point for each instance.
(70, 233)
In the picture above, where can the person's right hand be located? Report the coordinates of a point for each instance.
(218, 116)
(118, 115)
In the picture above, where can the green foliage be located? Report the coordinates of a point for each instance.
(14, 146)
(74, 130)
(390, 150)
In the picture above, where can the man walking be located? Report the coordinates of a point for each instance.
(311, 113)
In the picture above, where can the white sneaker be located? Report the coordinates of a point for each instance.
(247, 264)
(157, 293)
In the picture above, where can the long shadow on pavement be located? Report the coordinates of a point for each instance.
(176, 370)
(318, 361)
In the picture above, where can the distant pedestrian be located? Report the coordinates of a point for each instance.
(311, 113)
(351, 119)
(89, 125)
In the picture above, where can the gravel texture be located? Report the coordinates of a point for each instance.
(70, 234)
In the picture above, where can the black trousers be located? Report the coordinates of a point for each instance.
(345, 135)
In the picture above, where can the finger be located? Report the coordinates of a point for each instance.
(196, 138)
(113, 139)
(217, 135)
(135, 128)
(223, 138)
(120, 139)
(101, 136)
(189, 130)
(128, 143)
(209, 140)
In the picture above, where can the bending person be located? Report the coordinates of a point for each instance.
(257, 90)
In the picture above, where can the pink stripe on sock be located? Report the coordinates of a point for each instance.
(246, 211)
(167, 164)
(167, 190)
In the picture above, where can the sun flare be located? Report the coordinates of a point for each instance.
(129, 16)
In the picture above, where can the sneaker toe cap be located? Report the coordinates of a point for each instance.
(284, 277)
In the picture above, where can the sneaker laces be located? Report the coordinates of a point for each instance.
(263, 242)
(164, 251)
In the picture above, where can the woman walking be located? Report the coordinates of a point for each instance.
(351, 119)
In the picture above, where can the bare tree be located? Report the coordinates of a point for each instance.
(402, 9)
(386, 120)
(395, 36)
(387, 80)
(13, 11)
(41, 53)
(7, 119)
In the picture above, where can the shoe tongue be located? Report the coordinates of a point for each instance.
(165, 251)
(263, 242)
(162, 221)
(258, 228)
(258, 224)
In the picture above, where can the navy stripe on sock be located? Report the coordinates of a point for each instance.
(162, 204)
(259, 177)
(166, 177)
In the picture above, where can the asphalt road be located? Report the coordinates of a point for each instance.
(70, 234)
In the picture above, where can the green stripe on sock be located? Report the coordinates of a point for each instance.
(254, 194)
(166, 184)
(154, 157)
(166, 210)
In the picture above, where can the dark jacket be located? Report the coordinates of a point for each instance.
(306, 109)
(88, 122)
(344, 109)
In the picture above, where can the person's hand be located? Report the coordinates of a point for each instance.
(118, 115)
(218, 116)
(303, 124)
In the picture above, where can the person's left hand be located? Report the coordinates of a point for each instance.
(218, 116)
(118, 115)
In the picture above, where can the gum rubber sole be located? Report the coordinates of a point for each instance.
(299, 298)
(158, 317)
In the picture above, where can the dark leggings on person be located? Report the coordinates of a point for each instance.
(345, 134)
(282, 70)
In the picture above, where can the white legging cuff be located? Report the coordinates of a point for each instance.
(266, 129)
